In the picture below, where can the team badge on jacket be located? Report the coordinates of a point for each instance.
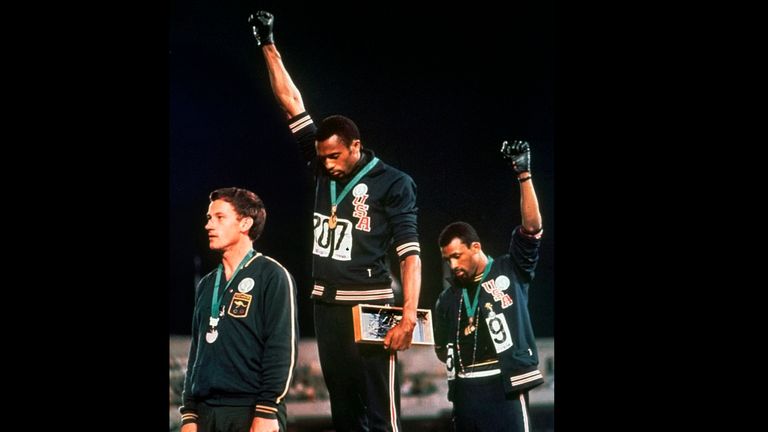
(239, 305)
(360, 192)
(496, 288)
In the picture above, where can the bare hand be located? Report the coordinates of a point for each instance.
(189, 427)
(399, 337)
(264, 425)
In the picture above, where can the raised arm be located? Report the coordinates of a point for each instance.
(285, 91)
(518, 155)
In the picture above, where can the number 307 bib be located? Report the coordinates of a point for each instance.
(338, 240)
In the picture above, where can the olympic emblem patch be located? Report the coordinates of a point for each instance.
(246, 285)
(239, 305)
(360, 190)
(502, 282)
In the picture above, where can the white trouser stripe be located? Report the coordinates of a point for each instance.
(392, 408)
(525, 412)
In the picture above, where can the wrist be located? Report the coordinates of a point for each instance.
(409, 320)
(524, 176)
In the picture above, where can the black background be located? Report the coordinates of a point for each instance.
(434, 92)
(147, 109)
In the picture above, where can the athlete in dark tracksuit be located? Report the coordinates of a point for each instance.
(251, 363)
(483, 330)
(362, 208)
(244, 328)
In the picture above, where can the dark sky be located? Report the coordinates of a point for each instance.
(434, 93)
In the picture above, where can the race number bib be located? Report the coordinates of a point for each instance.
(449, 364)
(338, 240)
(499, 330)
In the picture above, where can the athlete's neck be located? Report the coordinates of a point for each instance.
(481, 267)
(234, 255)
(358, 165)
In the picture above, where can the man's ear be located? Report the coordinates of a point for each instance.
(246, 223)
(476, 247)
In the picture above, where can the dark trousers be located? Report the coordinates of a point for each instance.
(480, 405)
(363, 380)
(231, 418)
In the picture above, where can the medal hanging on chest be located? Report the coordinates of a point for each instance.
(336, 200)
(213, 320)
(471, 308)
(212, 334)
(471, 327)
(332, 219)
(473, 314)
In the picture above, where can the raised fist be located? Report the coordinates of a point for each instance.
(261, 23)
(518, 155)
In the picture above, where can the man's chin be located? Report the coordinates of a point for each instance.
(461, 279)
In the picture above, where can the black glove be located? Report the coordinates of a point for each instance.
(261, 23)
(518, 155)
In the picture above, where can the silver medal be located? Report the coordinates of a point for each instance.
(212, 334)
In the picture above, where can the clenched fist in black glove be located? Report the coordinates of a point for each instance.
(261, 22)
(518, 155)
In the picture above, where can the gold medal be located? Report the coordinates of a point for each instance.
(470, 328)
(332, 219)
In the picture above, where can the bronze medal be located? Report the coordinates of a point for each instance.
(470, 328)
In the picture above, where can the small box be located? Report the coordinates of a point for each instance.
(372, 322)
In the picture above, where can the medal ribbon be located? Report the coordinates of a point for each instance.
(473, 307)
(216, 298)
(335, 201)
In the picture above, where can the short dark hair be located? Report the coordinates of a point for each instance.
(339, 125)
(461, 230)
(246, 204)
